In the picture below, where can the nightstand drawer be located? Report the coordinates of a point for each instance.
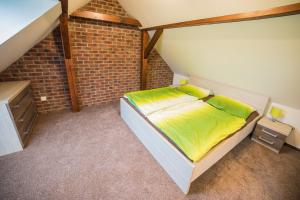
(267, 140)
(269, 132)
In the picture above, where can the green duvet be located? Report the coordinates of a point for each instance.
(196, 127)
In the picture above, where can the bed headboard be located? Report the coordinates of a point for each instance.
(258, 101)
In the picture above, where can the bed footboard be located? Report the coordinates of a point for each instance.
(179, 168)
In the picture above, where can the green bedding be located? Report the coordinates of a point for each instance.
(196, 127)
(149, 101)
(231, 106)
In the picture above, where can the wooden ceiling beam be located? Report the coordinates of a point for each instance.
(106, 18)
(152, 42)
(64, 31)
(291, 9)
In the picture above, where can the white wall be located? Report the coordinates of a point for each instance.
(262, 55)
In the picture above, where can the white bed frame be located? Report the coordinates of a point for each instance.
(180, 169)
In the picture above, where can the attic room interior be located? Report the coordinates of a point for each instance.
(140, 99)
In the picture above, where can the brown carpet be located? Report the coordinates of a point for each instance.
(93, 155)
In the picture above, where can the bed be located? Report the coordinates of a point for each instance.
(180, 168)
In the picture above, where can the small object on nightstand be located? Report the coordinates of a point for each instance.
(271, 134)
(276, 113)
(183, 82)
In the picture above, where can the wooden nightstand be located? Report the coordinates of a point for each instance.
(271, 134)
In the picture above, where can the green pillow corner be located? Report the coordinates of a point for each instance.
(194, 91)
(231, 106)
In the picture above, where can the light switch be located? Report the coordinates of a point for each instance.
(43, 98)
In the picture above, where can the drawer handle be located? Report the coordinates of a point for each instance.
(265, 140)
(269, 133)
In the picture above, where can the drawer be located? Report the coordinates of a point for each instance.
(19, 97)
(25, 120)
(20, 109)
(21, 103)
(269, 132)
(26, 133)
(267, 140)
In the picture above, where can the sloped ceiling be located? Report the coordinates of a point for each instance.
(158, 12)
(262, 55)
(76, 4)
(25, 23)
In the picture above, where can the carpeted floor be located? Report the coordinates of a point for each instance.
(93, 155)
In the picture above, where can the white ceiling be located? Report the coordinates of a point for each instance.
(158, 12)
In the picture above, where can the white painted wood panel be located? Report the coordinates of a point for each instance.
(9, 136)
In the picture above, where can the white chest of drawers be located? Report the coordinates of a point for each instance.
(17, 115)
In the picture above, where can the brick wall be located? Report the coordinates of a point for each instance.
(106, 58)
(111, 7)
(159, 74)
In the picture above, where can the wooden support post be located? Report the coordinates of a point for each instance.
(144, 61)
(152, 43)
(64, 30)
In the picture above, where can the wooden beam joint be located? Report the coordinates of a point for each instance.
(152, 42)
